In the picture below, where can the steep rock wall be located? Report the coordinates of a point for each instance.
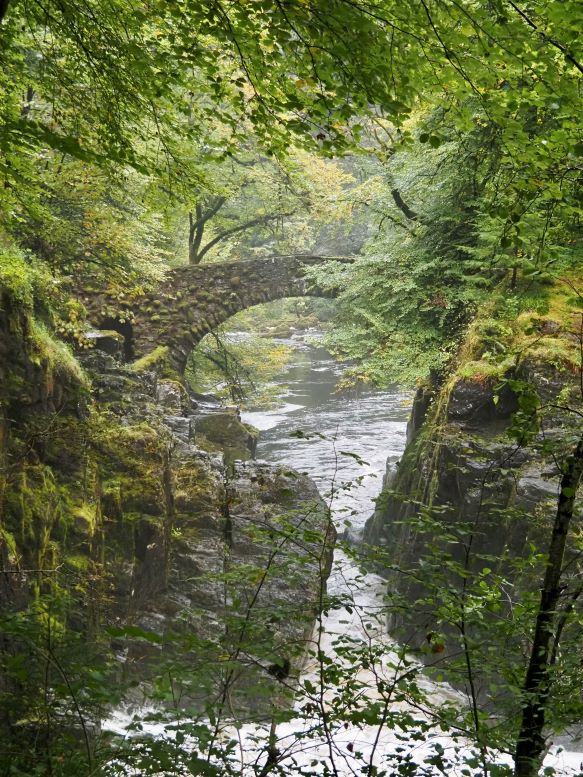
(464, 485)
(134, 520)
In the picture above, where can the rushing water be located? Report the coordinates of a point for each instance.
(347, 435)
(348, 438)
(343, 441)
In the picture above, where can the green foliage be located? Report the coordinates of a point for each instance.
(239, 371)
(56, 686)
(404, 304)
(248, 206)
(24, 282)
(29, 297)
(282, 317)
(141, 75)
(470, 615)
(445, 244)
(97, 224)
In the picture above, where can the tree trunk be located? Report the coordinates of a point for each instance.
(197, 225)
(195, 233)
(530, 745)
(402, 205)
(3, 8)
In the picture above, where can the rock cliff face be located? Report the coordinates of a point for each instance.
(465, 486)
(139, 512)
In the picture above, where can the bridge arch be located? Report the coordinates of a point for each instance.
(195, 300)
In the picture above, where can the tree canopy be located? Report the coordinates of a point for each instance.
(161, 94)
(135, 136)
(114, 81)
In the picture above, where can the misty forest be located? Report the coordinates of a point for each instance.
(291, 388)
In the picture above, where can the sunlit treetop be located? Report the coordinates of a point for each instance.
(130, 82)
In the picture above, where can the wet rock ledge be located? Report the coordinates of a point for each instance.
(182, 554)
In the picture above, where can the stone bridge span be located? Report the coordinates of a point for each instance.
(194, 300)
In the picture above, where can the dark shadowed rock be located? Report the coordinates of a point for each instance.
(189, 556)
(496, 496)
(108, 341)
(473, 403)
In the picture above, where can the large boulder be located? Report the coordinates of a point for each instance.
(464, 483)
(225, 431)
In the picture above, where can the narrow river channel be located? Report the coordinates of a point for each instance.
(340, 428)
(347, 438)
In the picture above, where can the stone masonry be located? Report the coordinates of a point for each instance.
(194, 300)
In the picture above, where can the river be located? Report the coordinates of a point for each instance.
(348, 439)
(343, 440)
(349, 435)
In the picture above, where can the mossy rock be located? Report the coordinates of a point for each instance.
(157, 359)
(132, 462)
(107, 340)
(195, 490)
(78, 563)
(86, 516)
(226, 431)
(205, 444)
(37, 511)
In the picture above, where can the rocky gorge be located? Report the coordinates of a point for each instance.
(155, 559)
(136, 522)
(470, 505)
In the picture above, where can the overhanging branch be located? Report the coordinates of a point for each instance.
(241, 228)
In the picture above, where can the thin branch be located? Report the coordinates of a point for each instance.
(556, 43)
(203, 216)
(563, 622)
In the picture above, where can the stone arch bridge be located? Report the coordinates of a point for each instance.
(194, 300)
